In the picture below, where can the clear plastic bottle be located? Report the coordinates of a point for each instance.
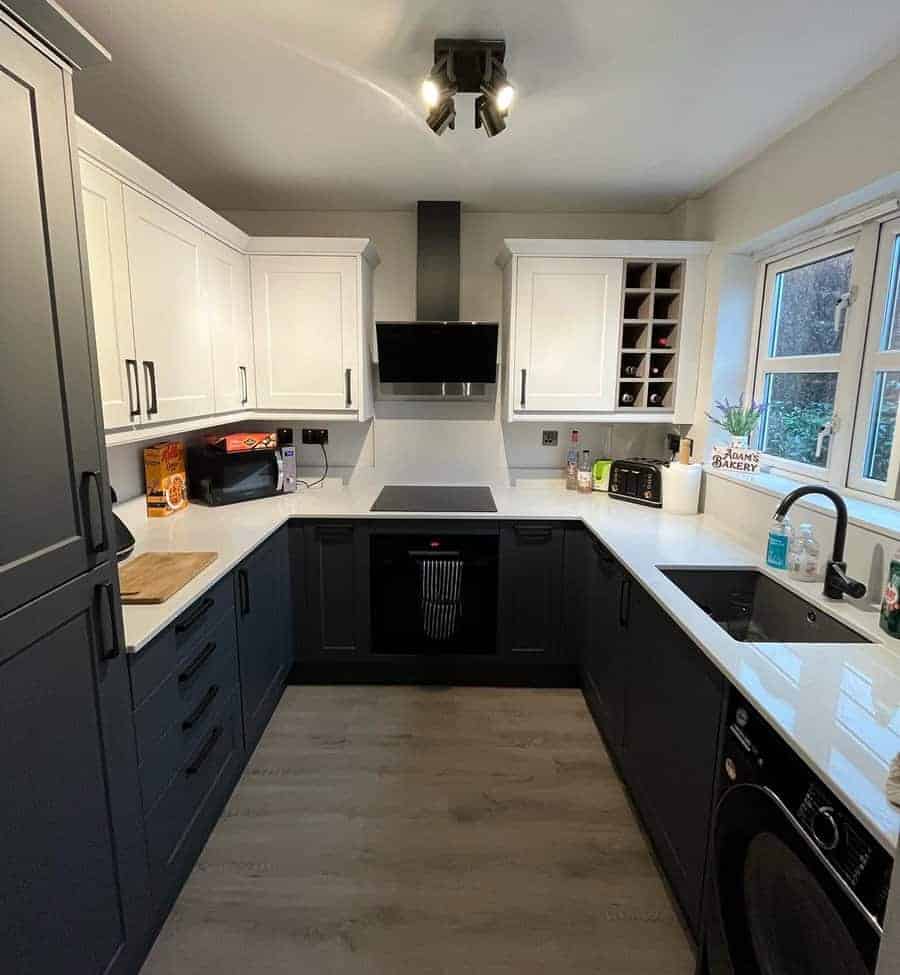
(572, 463)
(585, 473)
(780, 535)
(804, 560)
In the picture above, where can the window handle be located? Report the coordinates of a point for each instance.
(826, 430)
(842, 308)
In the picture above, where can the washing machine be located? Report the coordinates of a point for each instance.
(796, 884)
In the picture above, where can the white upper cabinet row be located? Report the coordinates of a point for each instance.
(602, 329)
(189, 326)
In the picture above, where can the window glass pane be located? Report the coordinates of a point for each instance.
(885, 397)
(798, 404)
(892, 308)
(804, 302)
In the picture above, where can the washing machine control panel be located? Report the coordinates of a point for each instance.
(846, 847)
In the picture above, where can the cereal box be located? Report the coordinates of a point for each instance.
(165, 477)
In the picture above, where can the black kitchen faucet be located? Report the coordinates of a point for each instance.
(837, 582)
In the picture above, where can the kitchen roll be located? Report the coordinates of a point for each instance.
(681, 488)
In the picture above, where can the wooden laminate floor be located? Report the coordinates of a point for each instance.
(395, 830)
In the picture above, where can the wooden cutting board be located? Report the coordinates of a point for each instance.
(155, 576)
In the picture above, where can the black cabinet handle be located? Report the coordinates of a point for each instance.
(134, 395)
(524, 377)
(203, 754)
(324, 531)
(197, 663)
(106, 593)
(99, 541)
(624, 601)
(244, 394)
(201, 708)
(150, 384)
(243, 591)
(347, 386)
(536, 533)
(203, 607)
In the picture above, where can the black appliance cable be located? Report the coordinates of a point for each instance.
(312, 484)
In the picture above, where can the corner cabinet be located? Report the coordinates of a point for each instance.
(568, 307)
(185, 339)
(312, 327)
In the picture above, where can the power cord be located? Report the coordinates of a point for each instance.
(312, 484)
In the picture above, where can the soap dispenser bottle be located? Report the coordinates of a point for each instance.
(780, 535)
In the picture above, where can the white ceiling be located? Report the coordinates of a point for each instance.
(313, 104)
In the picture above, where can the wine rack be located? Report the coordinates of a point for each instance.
(648, 352)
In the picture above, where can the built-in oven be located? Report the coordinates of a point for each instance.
(218, 477)
(435, 592)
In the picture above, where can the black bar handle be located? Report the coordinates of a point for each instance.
(323, 531)
(245, 395)
(203, 754)
(106, 592)
(349, 400)
(99, 541)
(624, 601)
(204, 606)
(150, 383)
(243, 591)
(534, 532)
(201, 708)
(524, 377)
(134, 396)
(191, 670)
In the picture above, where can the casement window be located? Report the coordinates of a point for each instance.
(828, 360)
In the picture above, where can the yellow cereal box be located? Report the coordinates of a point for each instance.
(165, 478)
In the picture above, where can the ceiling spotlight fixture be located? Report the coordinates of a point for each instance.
(468, 66)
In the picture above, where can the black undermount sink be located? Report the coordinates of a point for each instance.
(751, 607)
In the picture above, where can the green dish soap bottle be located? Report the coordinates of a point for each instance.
(890, 602)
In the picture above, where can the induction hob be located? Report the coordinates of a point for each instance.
(426, 497)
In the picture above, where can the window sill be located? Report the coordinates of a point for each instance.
(881, 518)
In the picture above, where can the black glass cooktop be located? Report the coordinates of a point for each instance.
(425, 497)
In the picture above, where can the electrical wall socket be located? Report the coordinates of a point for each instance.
(314, 435)
(549, 438)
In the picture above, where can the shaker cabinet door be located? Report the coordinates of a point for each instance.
(107, 253)
(305, 332)
(74, 878)
(565, 334)
(226, 275)
(171, 328)
(52, 492)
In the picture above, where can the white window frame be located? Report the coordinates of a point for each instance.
(860, 358)
(839, 363)
(877, 360)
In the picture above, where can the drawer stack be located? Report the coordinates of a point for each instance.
(187, 714)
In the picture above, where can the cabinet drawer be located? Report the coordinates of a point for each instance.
(180, 823)
(173, 721)
(160, 657)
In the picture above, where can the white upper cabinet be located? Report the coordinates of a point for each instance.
(104, 227)
(565, 321)
(306, 332)
(171, 328)
(226, 275)
(600, 330)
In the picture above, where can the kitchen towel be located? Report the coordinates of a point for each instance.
(440, 596)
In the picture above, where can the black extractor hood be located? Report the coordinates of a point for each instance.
(437, 347)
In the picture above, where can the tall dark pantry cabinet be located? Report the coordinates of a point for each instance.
(72, 877)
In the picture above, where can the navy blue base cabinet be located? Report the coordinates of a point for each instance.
(265, 648)
(74, 878)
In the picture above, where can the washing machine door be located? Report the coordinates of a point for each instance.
(777, 906)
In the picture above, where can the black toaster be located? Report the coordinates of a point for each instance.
(638, 479)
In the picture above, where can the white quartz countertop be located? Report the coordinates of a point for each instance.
(838, 705)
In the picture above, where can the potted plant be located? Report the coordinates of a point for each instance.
(740, 421)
